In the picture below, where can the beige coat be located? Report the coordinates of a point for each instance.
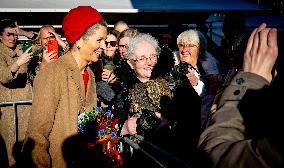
(59, 98)
(13, 88)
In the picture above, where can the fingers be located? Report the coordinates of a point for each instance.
(48, 56)
(192, 78)
(263, 37)
(261, 52)
(250, 41)
(108, 76)
(272, 40)
(158, 114)
(53, 34)
(253, 46)
(24, 58)
(132, 125)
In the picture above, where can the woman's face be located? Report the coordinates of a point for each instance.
(144, 60)
(9, 37)
(111, 45)
(122, 46)
(188, 52)
(93, 43)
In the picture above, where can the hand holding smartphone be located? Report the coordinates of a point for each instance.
(27, 45)
(53, 46)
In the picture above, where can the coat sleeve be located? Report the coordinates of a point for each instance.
(6, 75)
(225, 140)
(45, 101)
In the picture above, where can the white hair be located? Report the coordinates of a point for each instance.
(194, 37)
(132, 45)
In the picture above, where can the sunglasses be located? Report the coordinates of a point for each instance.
(112, 43)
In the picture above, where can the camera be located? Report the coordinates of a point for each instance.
(182, 68)
(178, 74)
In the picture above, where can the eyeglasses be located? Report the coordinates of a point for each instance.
(186, 45)
(122, 46)
(143, 59)
(112, 43)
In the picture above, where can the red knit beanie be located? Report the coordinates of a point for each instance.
(78, 20)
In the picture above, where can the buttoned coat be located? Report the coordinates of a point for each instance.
(13, 87)
(59, 97)
(226, 139)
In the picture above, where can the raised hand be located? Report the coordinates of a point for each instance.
(261, 52)
(108, 76)
(48, 56)
(192, 78)
(58, 38)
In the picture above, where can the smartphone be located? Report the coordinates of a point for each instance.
(53, 46)
(27, 45)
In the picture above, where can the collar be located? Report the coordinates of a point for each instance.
(7, 50)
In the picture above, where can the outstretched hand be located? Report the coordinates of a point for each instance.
(261, 52)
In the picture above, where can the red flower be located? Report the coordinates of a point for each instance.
(114, 122)
(102, 126)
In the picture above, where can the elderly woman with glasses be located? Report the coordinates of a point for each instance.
(150, 104)
(142, 56)
(203, 68)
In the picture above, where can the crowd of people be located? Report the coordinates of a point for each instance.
(172, 108)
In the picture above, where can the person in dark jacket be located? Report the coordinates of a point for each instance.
(245, 129)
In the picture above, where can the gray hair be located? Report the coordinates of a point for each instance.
(193, 36)
(92, 29)
(131, 32)
(132, 45)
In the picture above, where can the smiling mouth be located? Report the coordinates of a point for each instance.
(186, 55)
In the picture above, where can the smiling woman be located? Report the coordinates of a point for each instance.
(64, 89)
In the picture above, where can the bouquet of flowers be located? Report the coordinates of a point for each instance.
(100, 122)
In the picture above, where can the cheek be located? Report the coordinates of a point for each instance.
(94, 57)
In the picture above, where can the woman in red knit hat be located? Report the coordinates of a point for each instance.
(64, 89)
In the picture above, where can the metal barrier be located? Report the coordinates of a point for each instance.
(179, 163)
(14, 104)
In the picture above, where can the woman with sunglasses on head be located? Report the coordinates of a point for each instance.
(105, 66)
(14, 85)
